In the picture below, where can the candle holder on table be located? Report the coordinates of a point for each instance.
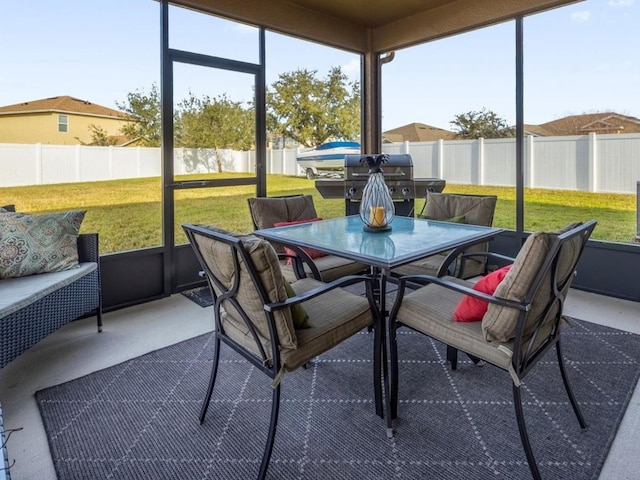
(376, 207)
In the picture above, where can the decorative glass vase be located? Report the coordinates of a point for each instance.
(376, 207)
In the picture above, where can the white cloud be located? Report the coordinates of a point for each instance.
(351, 69)
(581, 17)
(621, 3)
(243, 29)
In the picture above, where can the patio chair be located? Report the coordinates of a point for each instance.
(470, 209)
(266, 212)
(274, 325)
(522, 322)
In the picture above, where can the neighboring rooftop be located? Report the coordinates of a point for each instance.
(602, 123)
(63, 104)
(417, 132)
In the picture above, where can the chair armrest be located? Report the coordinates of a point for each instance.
(299, 260)
(340, 282)
(443, 282)
(459, 254)
(490, 255)
(88, 248)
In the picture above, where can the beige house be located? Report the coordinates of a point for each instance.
(59, 121)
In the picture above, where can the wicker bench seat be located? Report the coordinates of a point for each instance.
(35, 306)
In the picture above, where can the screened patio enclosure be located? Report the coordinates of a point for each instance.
(373, 30)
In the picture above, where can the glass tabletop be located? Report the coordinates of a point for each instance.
(409, 239)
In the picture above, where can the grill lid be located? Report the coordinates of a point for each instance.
(397, 167)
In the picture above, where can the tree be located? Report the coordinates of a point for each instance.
(213, 123)
(99, 137)
(482, 124)
(312, 110)
(146, 109)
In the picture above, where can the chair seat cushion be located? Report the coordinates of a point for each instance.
(331, 267)
(429, 310)
(430, 266)
(342, 314)
(333, 317)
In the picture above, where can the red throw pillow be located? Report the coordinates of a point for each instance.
(309, 251)
(471, 309)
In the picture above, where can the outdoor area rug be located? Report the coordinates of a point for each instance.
(139, 419)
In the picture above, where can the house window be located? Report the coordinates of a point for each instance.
(63, 123)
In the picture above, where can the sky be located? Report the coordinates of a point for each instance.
(582, 58)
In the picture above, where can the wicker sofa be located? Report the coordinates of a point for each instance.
(35, 306)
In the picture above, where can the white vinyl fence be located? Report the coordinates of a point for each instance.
(602, 163)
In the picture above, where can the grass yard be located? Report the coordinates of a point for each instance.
(127, 213)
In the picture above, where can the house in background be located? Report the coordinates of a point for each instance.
(417, 132)
(601, 123)
(60, 121)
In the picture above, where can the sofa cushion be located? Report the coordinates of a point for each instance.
(32, 244)
(18, 293)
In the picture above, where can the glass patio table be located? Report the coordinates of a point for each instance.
(408, 240)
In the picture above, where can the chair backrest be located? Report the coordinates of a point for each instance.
(471, 209)
(244, 274)
(267, 211)
(540, 278)
(476, 209)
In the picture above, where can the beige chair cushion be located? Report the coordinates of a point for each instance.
(267, 211)
(499, 323)
(265, 261)
(476, 210)
(330, 267)
(332, 318)
(430, 310)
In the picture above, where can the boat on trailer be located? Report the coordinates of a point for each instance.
(328, 156)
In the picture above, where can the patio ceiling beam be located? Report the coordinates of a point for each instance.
(365, 26)
(453, 18)
(288, 18)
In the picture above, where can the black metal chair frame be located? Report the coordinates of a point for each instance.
(526, 353)
(271, 368)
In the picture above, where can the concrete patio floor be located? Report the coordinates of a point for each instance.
(77, 350)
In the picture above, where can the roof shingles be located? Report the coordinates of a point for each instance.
(62, 104)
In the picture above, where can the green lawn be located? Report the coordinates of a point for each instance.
(127, 213)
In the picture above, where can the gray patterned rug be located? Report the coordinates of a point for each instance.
(138, 420)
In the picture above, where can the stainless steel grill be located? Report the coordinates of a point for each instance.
(398, 176)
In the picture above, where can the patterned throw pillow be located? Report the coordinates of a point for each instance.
(31, 244)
